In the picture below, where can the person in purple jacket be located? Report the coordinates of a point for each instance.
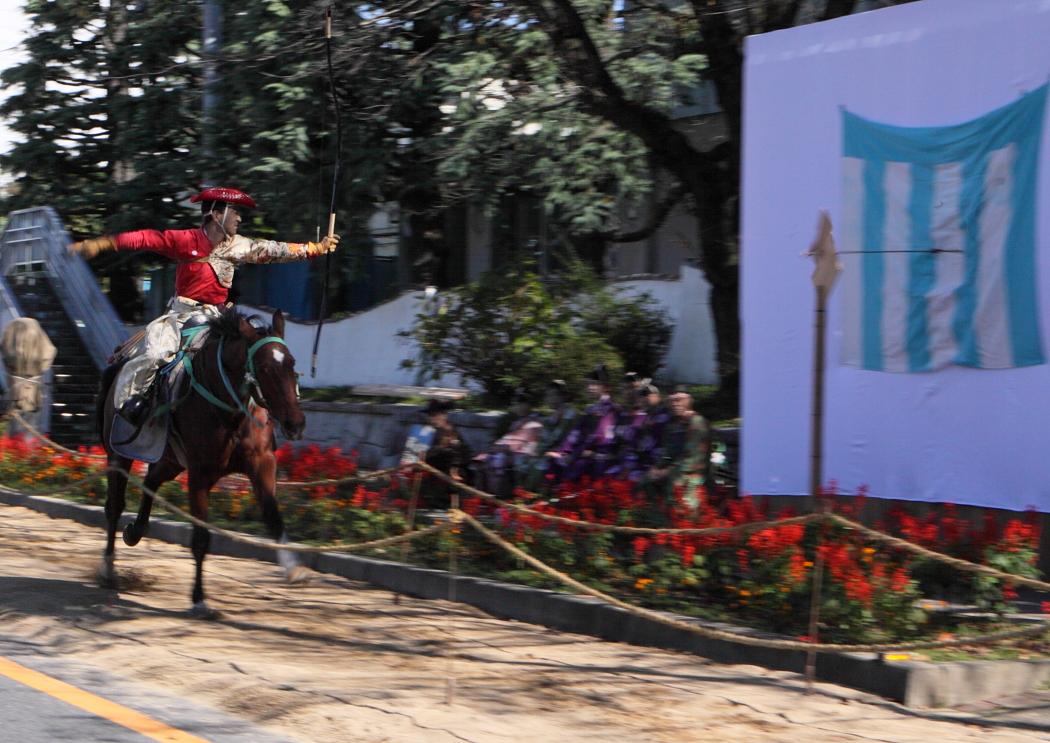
(590, 448)
(642, 432)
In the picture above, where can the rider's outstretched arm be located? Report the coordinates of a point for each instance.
(248, 250)
(179, 245)
(175, 244)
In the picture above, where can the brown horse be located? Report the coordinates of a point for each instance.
(240, 381)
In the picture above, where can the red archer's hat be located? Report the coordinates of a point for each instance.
(224, 195)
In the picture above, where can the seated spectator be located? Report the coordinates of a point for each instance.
(589, 448)
(683, 457)
(629, 425)
(556, 426)
(642, 441)
(447, 453)
(502, 467)
(562, 416)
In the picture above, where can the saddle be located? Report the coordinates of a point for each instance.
(147, 442)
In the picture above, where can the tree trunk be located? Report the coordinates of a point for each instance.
(715, 214)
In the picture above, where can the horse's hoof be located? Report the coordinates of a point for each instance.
(296, 575)
(132, 536)
(201, 610)
(106, 573)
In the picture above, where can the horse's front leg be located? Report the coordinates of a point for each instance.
(158, 474)
(262, 471)
(200, 484)
(116, 485)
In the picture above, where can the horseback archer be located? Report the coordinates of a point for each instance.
(206, 258)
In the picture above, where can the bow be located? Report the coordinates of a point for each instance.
(335, 183)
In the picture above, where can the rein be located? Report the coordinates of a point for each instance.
(250, 379)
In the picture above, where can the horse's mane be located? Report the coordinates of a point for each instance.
(228, 324)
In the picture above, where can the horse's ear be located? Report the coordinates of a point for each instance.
(244, 328)
(278, 324)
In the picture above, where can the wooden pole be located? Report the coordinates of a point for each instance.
(824, 274)
(413, 501)
(453, 570)
(814, 608)
(816, 443)
(816, 433)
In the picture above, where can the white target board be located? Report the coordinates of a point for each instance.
(921, 129)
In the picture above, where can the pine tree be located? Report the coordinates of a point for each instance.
(105, 112)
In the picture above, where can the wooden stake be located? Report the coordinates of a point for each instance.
(413, 501)
(814, 608)
(450, 679)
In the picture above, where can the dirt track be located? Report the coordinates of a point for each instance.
(335, 660)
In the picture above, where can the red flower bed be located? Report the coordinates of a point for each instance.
(765, 575)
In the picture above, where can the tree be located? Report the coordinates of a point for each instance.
(574, 99)
(511, 330)
(109, 109)
(105, 109)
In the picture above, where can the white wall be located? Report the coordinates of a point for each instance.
(365, 348)
(691, 356)
(361, 349)
(969, 436)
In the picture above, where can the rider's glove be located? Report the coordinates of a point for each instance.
(329, 243)
(90, 248)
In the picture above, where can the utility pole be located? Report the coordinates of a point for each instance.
(210, 47)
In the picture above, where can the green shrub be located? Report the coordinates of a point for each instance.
(509, 329)
(637, 327)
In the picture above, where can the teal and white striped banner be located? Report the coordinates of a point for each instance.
(938, 242)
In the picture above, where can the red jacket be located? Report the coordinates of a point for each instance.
(194, 276)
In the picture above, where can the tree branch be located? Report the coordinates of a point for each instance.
(659, 215)
(600, 94)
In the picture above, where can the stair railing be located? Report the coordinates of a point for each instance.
(37, 237)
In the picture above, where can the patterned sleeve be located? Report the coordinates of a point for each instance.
(249, 250)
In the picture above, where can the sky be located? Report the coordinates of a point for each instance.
(13, 27)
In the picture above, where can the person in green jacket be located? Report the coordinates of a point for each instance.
(683, 460)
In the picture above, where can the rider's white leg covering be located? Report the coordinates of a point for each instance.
(159, 345)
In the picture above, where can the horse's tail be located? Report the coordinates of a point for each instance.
(105, 384)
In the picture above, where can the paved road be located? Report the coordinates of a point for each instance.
(335, 660)
(31, 716)
(45, 698)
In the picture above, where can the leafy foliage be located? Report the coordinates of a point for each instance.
(637, 327)
(506, 331)
(104, 111)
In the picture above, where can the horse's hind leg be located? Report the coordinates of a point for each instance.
(116, 485)
(158, 474)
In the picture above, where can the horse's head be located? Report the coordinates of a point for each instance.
(270, 371)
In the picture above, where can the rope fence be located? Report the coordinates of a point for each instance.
(597, 526)
(458, 516)
(1034, 630)
(237, 536)
(956, 562)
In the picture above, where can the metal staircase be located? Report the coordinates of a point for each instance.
(40, 279)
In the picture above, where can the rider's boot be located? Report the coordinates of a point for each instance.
(135, 409)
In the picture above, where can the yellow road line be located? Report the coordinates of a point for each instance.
(96, 705)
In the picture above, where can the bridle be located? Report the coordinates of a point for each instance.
(249, 388)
